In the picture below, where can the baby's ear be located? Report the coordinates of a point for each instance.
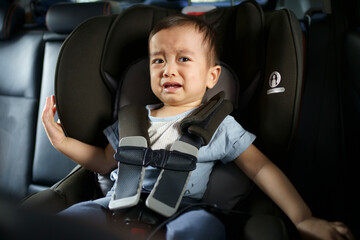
(214, 73)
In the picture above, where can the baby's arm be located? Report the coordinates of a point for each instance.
(277, 186)
(91, 157)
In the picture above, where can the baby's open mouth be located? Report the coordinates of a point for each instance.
(171, 85)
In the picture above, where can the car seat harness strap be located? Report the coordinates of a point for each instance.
(176, 164)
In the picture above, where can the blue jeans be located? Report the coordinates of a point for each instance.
(196, 224)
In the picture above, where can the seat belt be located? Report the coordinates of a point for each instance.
(176, 164)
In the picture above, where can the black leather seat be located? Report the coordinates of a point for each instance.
(20, 77)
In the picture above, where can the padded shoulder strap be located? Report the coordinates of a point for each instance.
(204, 121)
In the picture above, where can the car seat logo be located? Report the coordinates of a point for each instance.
(274, 81)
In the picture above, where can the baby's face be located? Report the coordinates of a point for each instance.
(179, 67)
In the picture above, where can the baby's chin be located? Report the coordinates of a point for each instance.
(178, 99)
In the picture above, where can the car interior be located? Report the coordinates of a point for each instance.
(93, 56)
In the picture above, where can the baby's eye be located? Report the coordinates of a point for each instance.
(184, 59)
(157, 61)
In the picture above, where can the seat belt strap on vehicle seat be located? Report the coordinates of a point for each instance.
(134, 155)
(197, 130)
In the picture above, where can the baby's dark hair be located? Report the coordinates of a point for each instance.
(194, 21)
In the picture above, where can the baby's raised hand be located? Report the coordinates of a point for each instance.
(53, 129)
(315, 228)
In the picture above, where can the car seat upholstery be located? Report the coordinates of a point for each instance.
(19, 92)
(91, 67)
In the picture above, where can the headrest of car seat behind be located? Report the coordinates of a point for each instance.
(12, 17)
(63, 17)
(92, 66)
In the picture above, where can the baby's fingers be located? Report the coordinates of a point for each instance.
(47, 114)
(53, 129)
(343, 230)
(46, 107)
(53, 105)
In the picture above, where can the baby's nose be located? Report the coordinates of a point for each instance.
(170, 70)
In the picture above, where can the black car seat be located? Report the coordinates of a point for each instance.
(106, 53)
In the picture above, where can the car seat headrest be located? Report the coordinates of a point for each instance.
(12, 17)
(241, 43)
(63, 17)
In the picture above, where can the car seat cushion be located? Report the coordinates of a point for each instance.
(227, 186)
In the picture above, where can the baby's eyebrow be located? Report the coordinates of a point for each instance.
(180, 51)
(155, 53)
(185, 51)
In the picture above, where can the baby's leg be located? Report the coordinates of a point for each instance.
(91, 211)
(197, 224)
